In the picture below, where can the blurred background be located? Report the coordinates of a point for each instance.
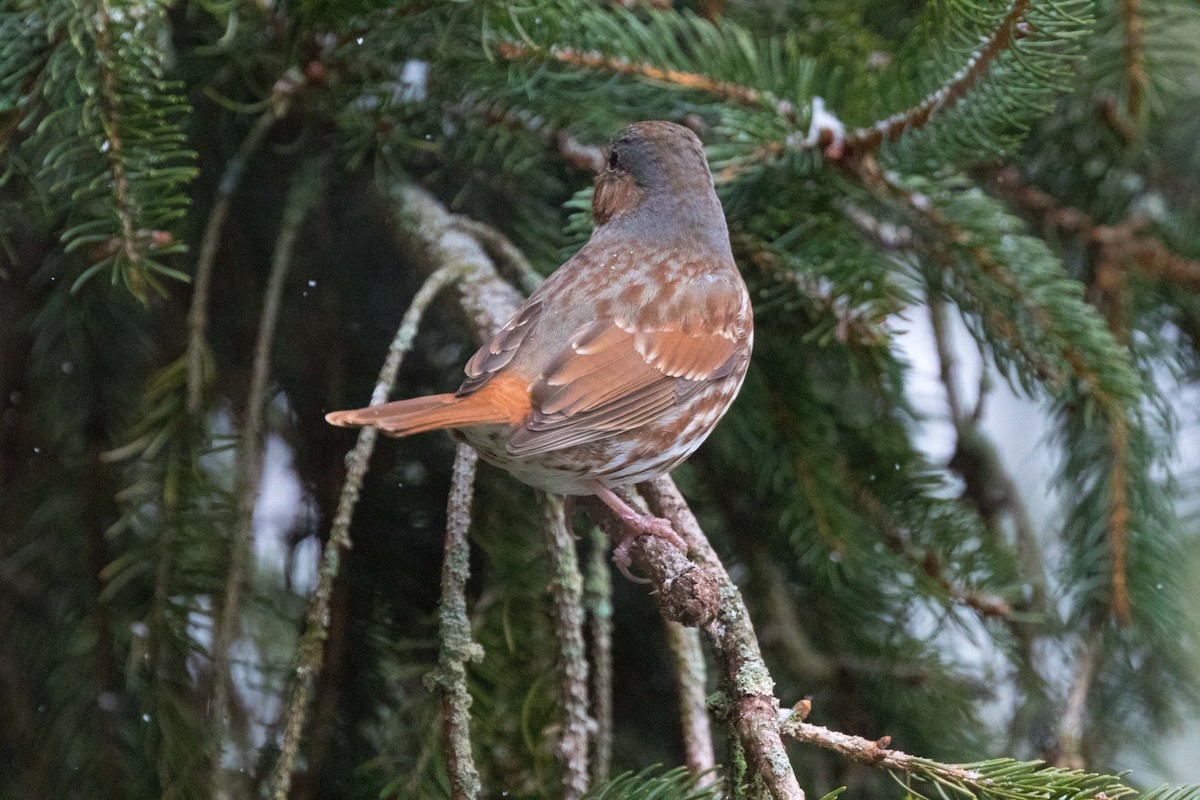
(957, 490)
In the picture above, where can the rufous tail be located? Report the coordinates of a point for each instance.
(498, 402)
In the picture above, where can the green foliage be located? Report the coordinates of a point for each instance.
(86, 82)
(650, 784)
(882, 583)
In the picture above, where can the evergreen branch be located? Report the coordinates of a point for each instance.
(853, 325)
(590, 158)
(590, 59)
(597, 600)
(749, 691)
(566, 592)
(458, 648)
(867, 139)
(1135, 57)
(676, 784)
(948, 234)
(691, 678)
(278, 104)
(105, 149)
(310, 652)
(304, 194)
(1122, 243)
(985, 604)
(109, 120)
(1000, 779)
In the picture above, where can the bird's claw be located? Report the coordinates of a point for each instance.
(644, 526)
(623, 560)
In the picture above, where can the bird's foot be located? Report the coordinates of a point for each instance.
(636, 525)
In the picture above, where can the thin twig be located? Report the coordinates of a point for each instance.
(503, 252)
(597, 599)
(1070, 736)
(458, 647)
(566, 592)
(197, 320)
(311, 652)
(591, 158)
(1135, 57)
(691, 677)
(1122, 243)
(742, 95)
(986, 604)
(744, 677)
(303, 195)
(109, 102)
(875, 753)
(946, 96)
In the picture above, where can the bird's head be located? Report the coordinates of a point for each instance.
(652, 163)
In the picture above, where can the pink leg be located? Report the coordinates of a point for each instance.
(636, 524)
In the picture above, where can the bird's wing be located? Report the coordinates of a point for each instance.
(495, 355)
(616, 375)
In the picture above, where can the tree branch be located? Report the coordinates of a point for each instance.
(566, 591)
(454, 631)
(197, 320)
(1135, 57)
(304, 193)
(1070, 736)
(310, 652)
(597, 599)
(691, 678)
(1122, 243)
(744, 677)
(869, 138)
(735, 93)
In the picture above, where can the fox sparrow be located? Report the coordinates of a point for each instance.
(623, 361)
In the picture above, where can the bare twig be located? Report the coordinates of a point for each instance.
(303, 195)
(597, 599)
(1070, 736)
(691, 677)
(454, 632)
(197, 321)
(310, 654)
(946, 96)
(744, 678)
(566, 591)
(875, 753)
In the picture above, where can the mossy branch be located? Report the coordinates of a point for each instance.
(458, 647)
(566, 593)
(311, 651)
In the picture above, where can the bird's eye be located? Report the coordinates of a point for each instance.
(613, 163)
